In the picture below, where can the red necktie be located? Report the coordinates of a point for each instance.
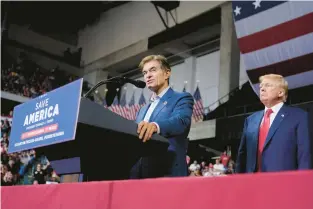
(263, 134)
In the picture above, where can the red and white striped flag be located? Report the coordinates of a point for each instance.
(198, 110)
(124, 107)
(141, 102)
(276, 37)
(115, 107)
(132, 108)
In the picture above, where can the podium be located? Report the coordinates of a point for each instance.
(106, 144)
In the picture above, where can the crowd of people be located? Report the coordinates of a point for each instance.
(223, 166)
(23, 168)
(24, 77)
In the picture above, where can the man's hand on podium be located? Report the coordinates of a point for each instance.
(146, 129)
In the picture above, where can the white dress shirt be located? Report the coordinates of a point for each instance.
(194, 167)
(153, 105)
(275, 110)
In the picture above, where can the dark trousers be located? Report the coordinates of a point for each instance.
(153, 166)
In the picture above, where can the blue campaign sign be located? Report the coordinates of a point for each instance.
(48, 119)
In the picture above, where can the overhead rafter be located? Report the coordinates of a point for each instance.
(168, 6)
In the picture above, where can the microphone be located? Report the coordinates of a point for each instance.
(137, 83)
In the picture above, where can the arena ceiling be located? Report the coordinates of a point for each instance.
(65, 17)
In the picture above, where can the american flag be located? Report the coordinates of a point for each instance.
(104, 103)
(198, 110)
(276, 37)
(124, 107)
(115, 107)
(132, 108)
(141, 102)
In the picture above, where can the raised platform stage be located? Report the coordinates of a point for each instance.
(290, 190)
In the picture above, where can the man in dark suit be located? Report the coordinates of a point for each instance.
(168, 114)
(276, 138)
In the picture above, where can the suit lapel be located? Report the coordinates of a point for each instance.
(162, 103)
(142, 112)
(281, 115)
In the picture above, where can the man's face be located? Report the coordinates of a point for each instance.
(270, 91)
(38, 167)
(4, 169)
(154, 76)
(9, 176)
(11, 163)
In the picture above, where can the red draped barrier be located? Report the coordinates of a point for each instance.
(290, 190)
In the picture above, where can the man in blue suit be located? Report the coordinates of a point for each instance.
(276, 138)
(168, 114)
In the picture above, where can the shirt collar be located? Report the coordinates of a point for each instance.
(275, 108)
(154, 97)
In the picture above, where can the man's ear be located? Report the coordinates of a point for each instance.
(168, 74)
(281, 93)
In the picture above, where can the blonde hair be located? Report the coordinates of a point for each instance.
(280, 80)
(161, 59)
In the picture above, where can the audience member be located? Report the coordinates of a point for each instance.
(53, 178)
(225, 158)
(39, 174)
(194, 166)
(208, 171)
(218, 167)
(202, 165)
(230, 168)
